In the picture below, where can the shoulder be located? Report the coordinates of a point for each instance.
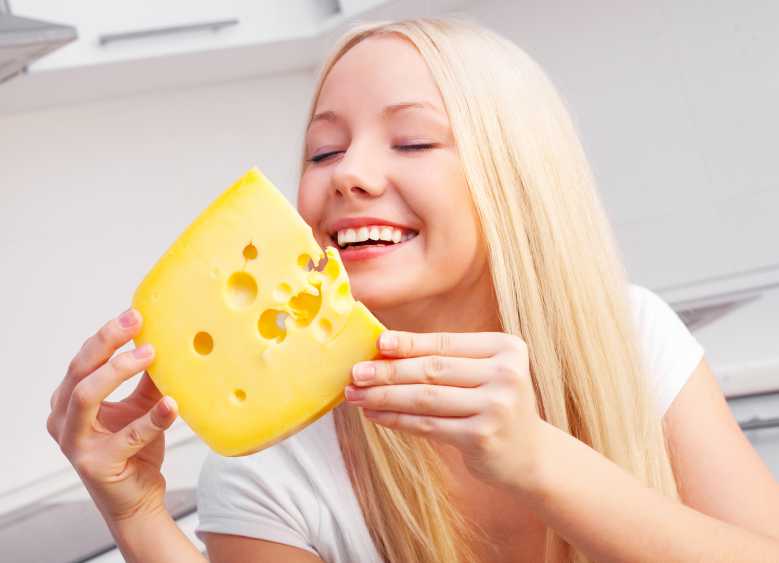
(669, 350)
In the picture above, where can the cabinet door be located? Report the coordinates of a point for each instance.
(168, 27)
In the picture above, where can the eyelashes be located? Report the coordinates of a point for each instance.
(421, 146)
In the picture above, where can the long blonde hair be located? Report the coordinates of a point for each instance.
(559, 281)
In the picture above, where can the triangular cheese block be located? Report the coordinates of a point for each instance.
(254, 327)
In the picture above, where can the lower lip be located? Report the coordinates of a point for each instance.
(357, 253)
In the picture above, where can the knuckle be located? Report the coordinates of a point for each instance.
(51, 427)
(81, 396)
(502, 404)
(483, 434)
(135, 437)
(516, 343)
(506, 371)
(76, 364)
(107, 335)
(119, 363)
(433, 369)
(388, 371)
(426, 425)
(406, 344)
(53, 399)
(381, 398)
(443, 343)
(427, 397)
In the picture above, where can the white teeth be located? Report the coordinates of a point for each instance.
(372, 232)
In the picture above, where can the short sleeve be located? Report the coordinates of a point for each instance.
(670, 351)
(258, 496)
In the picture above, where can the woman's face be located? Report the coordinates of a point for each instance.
(372, 162)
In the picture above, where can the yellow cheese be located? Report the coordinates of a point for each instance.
(255, 332)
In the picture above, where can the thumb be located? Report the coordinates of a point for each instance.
(145, 429)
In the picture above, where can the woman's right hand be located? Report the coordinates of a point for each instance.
(117, 448)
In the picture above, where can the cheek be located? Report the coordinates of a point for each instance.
(310, 202)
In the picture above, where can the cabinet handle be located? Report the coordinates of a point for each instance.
(212, 25)
(759, 423)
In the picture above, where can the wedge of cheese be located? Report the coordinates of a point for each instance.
(254, 327)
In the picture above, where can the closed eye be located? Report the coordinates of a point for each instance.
(324, 156)
(415, 147)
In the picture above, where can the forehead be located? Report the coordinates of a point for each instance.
(376, 72)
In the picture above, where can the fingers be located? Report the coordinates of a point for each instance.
(91, 391)
(398, 343)
(435, 370)
(95, 352)
(145, 393)
(430, 400)
(144, 430)
(459, 432)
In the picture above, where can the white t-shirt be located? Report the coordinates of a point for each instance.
(298, 492)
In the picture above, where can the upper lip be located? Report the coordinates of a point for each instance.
(353, 222)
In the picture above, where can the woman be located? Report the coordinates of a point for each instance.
(529, 404)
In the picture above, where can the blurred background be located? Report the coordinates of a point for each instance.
(121, 121)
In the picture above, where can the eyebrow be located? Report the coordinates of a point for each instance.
(385, 113)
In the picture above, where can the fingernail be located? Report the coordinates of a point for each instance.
(354, 393)
(128, 318)
(364, 371)
(388, 341)
(143, 352)
(170, 404)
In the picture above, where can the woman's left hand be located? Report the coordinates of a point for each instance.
(472, 390)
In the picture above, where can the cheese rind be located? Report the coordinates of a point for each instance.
(251, 343)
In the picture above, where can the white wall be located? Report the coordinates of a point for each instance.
(676, 103)
(90, 197)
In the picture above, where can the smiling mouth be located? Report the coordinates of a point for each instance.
(370, 236)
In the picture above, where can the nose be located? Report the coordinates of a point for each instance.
(356, 175)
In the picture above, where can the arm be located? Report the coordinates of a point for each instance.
(226, 548)
(153, 538)
(609, 515)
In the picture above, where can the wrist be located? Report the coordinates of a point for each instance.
(534, 480)
(133, 525)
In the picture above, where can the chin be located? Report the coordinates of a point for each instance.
(379, 296)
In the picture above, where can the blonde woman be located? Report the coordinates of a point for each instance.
(529, 404)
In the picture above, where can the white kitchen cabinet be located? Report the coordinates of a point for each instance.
(257, 22)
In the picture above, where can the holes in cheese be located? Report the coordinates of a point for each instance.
(250, 252)
(282, 292)
(342, 297)
(324, 329)
(204, 343)
(272, 325)
(304, 306)
(309, 264)
(241, 290)
(253, 323)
